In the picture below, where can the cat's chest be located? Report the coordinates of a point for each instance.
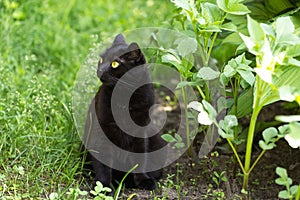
(137, 105)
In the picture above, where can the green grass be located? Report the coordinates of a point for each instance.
(42, 46)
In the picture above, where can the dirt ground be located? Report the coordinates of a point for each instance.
(193, 179)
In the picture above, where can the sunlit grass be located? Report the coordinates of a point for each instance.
(42, 45)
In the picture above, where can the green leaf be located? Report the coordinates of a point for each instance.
(283, 130)
(280, 181)
(181, 4)
(284, 194)
(245, 101)
(230, 121)
(168, 138)
(247, 75)
(106, 189)
(293, 50)
(173, 60)
(211, 12)
(221, 103)
(229, 135)
(293, 61)
(249, 42)
(179, 145)
(294, 189)
(255, 30)
(288, 39)
(188, 83)
(233, 38)
(229, 27)
(210, 109)
(178, 137)
(223, 4)
(288, 75)
(284, 26)
(226, 125)
(229, 69)
(207, 73)
(238, 9)
(265, 146)
(269, 134)
(186, 46)
(232, 7)
(281, 172)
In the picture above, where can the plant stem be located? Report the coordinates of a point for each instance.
(298, 193)
(236, 88)
(259, 156)
(186, 121)
(256, 161)
(211, 46)
(236, 155)
(201, 93)
(255, 112)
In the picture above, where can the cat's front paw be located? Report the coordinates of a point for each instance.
(148, 184)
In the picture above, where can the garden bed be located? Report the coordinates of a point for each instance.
(196, 178)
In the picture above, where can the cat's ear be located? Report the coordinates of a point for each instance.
(119, 39)
(134, 50)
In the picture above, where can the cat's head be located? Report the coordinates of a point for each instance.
(118, 59)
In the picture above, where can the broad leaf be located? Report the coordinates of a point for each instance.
(288, 75)
(225, 135)
(281, 172)
(238, 9)
(173, 60)
(247, 75)
(229, 27)
(207, 73)
(269, 134)
(265, 146)
(211, 12)
(168, 138)
(284, 195)
(294, 189)
(255, 30)
(284, 26)
(181, 4)
(189, 83)
(186, 46)
(293, 50)
(280, 181)
(233, 7)
(230, 121)
(245, 101)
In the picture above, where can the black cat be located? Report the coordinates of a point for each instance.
(106, 131)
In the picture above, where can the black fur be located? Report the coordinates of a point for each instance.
(129, 57)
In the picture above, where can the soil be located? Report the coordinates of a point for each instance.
(194, 178)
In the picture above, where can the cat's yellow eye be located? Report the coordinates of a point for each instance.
(115, 64)
(100, 60)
